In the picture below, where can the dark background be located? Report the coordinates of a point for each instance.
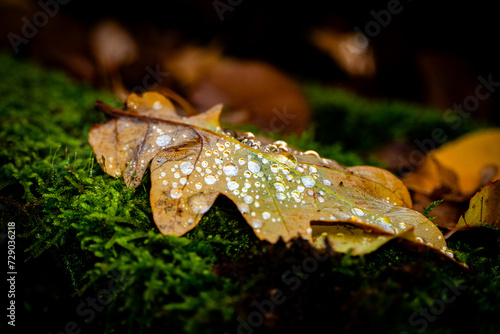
(430, 53)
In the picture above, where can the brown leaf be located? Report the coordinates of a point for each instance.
(432, 179)
(484, 208)
(278, 191)
(253, 91)
(447, 213)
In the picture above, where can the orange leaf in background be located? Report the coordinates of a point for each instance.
(470, 156)
(280, 192)
(484, 208)
(254, 92)
(453, 172)
(431, 178)
(459, 168)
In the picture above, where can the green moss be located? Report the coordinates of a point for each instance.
(360, 124)
(85, 232)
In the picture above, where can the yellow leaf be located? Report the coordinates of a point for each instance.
(468, 157)
(484, 208)
(279, 191)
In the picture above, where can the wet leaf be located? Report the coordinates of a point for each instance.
(279, 191)
(344, 238)
(484, 208)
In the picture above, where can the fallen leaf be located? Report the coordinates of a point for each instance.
(433, 180)
(344, 238)
(469, 156)
(348, 50)
(447, 213)
(253, 91)
(278, 191)
(454, 172)
(484, 208)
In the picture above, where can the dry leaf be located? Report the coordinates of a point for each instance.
(349, 50)
(469, 156)
(432, 179)
(344, 238)
(253, 91)
(454, 172)
(484, 208)
(278, 191)
(447, 213)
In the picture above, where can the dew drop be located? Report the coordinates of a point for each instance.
(253, 166)
(300, 189)
(286, 158)
(274, 168)
(358, 212)
(313, 169)
(208, 153)
(295, 194)
(247, 174)
(204, 164)
(280, 187)
(321, 199)
(226, 153)
(241, 161)
(210, 179)
(163, 174)
(198, 204)
(177, 175)
(186, 167)
(157, 105)
(230, 169)
(198, 185)
(257, 224)
(232, 185)
(266, 215)
(183, 181)
(326, 183)
(248, 199)
(280, 196)
(176, 192)
(163, 140)
(308, 181)
(218, 161)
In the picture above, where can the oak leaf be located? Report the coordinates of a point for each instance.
(280, 192)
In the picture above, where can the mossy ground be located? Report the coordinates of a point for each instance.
(93, 255)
